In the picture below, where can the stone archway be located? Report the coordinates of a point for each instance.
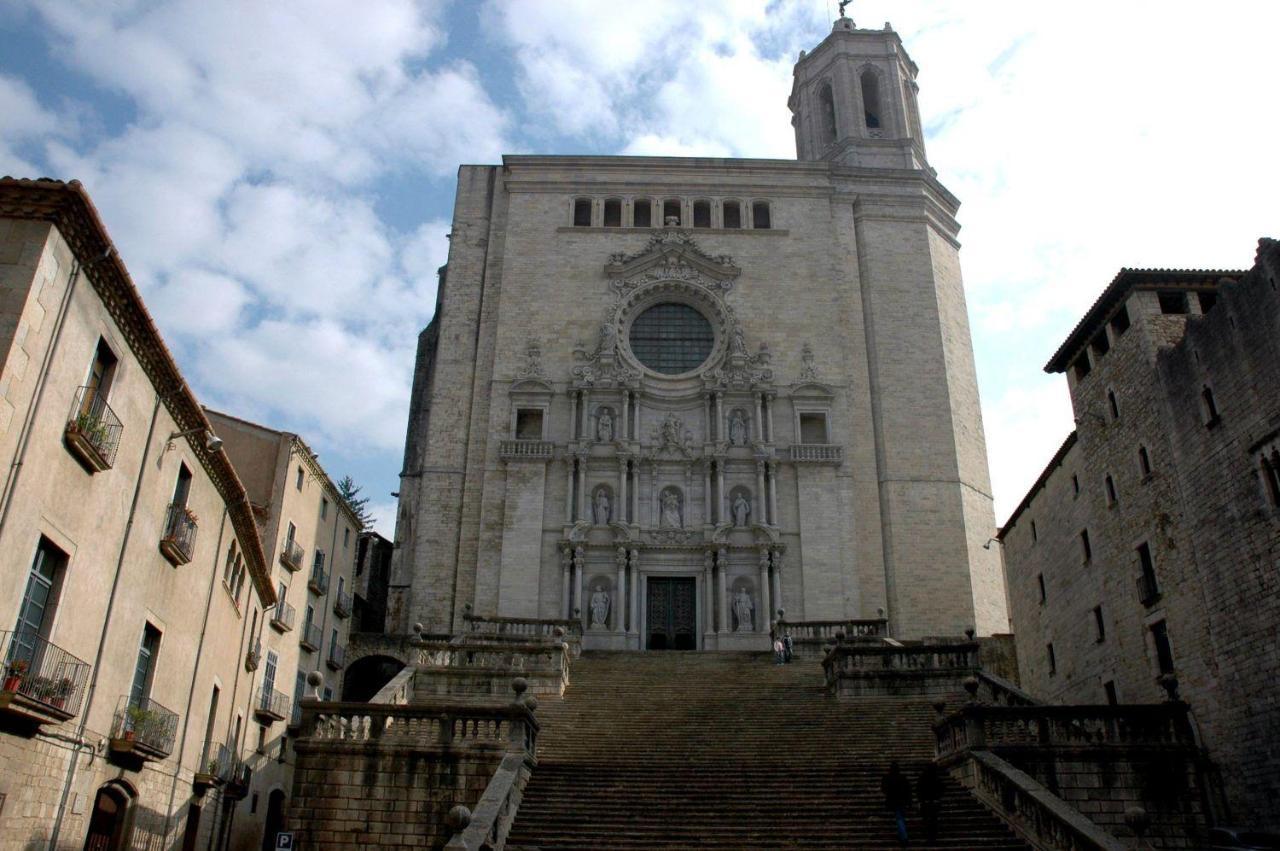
(110, 823)
(367, 675)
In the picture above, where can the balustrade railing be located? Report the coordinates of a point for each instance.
(291, 555)
(977, 726)
(826, 630)
(143, 724)
(449, 723)
(993, 689)
(93, 429)
(319, 581)
(310, 638)
(532, 627)
(42, 671)
(178, 542)
(487, 828)
(817, 453)
(874, 658)
(516, 658)
(526, 449)
(398, 690)
(219, 763)
(342, 604)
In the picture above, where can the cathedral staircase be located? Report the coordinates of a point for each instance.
(727, 751)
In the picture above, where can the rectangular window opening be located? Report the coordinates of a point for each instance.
(1173, 303)
(671, 214)
(1164, 651)
(642, 214)
(813, 428)
(732, 215)
(613, 213)
(529, 424)
(1109, 689)
(1086, 550)
(1207, 300)
(1120, 322)
(1100, 344)
(1040, 583)
(1082, 367)
(1053, 659)
(1100, 627)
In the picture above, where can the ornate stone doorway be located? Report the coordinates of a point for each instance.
(671, 605)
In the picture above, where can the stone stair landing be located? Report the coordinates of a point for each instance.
(727, 751)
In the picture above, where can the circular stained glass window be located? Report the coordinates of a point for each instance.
(671, 338)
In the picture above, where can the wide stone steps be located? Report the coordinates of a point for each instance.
(726, 751)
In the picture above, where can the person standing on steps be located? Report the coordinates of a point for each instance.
(777, 651)
(897, 798)
(929, 791)
(787, 646)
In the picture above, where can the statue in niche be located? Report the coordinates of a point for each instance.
(604, 425)
(737, 429)
(671, 431)
(601, 508)
(741, 509)
(599, 606)
(671, 517)
(738, 345)
(743, 609)
(608, 339)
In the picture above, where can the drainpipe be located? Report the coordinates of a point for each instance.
(15, 468)
(195, 670)
(106, 621)
(254, 625)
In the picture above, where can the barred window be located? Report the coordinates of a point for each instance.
(671, 338)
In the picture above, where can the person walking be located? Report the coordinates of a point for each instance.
(786, 648)
(777, 651)
(929, 791)
(897, 799)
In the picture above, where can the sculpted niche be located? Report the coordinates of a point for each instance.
(671, 514)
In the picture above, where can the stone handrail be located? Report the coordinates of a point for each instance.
(488, 826)
(397, 691)
(542, 627)
(981, 727)
(531, 449)
(1035, 814)
(853, 659)
(819, 630)
(817, 453)
(443, 722)
(997, 690)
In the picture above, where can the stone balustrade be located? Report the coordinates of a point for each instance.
(488, 827)
(501, 629)
(999, 691)
(817, 453)
(810, 638)
(465, 667)
(526, 450)
(897, 670)
(398, 689)
(442, 722)
(999, 728)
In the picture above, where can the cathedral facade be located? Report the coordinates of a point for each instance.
(672, 396)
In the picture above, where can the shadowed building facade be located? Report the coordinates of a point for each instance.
(669, 396)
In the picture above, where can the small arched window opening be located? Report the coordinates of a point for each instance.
(613, 213)
(582, 213)
(1144, 461)
(760, 215)
(1111, 490)
(827, 114)
(1210, 407)
(1115, 409)
(871, 99)
(671, 214)
(702, 214)
(732, 214)
(642, 214)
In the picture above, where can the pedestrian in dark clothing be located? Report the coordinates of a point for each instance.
(897, 798)
(786, 647)
(929, 791)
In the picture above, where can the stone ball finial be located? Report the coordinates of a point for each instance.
(1137, 819)
(970, 633)
(458, 818)
(558, 632)
(782, 614)
(939, 706)
(466, 607)
(971, 686)
(419, 628)
(840, 637)
(315, 679)
(519, 685)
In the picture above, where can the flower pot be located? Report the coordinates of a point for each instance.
(12, 682)
(57, 702)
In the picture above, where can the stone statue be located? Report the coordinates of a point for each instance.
(742, 610)
(737, 429)
(738, 346)
(599, 606)
(671, 431)
(671, 518)
(601, 508)
(608, 339)
(604, 426)
(741, 510)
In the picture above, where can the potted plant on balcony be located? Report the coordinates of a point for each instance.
(191, 517)
(13, 676)
(61, 691)
(91, 428)
(139, 718)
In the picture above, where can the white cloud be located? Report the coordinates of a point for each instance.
(23, 120)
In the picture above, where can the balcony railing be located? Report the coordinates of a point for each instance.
(219, 766)
(271, 705)
(93, 430)
(1148, 589)
(179, 539)
(817, 453)
(237, 787)
(291, 555)
(143, 728)
(310, 637)
(42, 682)
(319, 581)
(282, 616)
(337, 656)
(342, 605)
(526, 450)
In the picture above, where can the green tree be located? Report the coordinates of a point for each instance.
(359, 504)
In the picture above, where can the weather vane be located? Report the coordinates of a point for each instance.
(843, 3)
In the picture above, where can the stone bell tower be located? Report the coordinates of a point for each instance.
(853, 101)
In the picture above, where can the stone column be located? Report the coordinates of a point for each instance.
(573, 416)
(706, 410)
(722, 501)
(719, 416)
(759, 416)
(722, 592)
(762, 515)
(777, 579)
(579, 562)
(706, 491)
(708, 595)
(635, 491)
(620, 592)
(566, 570)
(653, 494)
(584, 426)
(624, 427)
(569, 484)
(773, 492)
(582, 488)
(620, 504)
(766, 611)
(633, 598)
(768, 415)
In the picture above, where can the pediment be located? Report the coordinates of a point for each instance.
(812, 390)
(531, 387)
(672, 255)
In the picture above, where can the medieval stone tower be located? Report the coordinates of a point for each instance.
(669, 396)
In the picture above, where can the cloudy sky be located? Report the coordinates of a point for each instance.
(279, 176)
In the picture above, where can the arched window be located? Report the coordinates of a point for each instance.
(109, 823)
(702, 214)
(613, 213)
(871, 99)
(582, 213)
(827, 114)
(642, 214)
(671, 213)
(760, 215)
(732, 214)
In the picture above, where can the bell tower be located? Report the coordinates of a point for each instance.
(853, 101)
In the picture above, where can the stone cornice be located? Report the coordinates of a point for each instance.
(68, 208)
